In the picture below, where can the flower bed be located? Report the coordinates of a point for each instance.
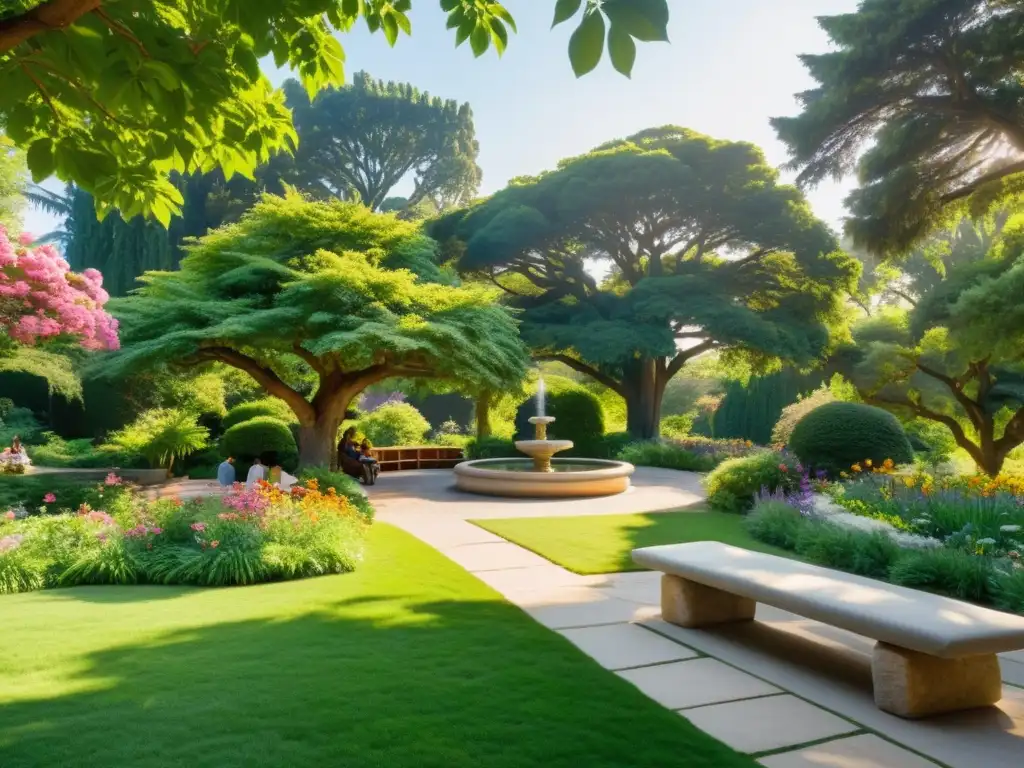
(694, 454)
(958, 536)
(249, 536)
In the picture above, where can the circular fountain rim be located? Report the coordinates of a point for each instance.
(603, 468)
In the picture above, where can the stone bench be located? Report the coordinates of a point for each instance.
(932, 655)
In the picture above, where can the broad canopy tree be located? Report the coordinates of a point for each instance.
(956, 357)
(357, 142)
(353, 296)
(923, 99)
(114, 95)
(703, 249)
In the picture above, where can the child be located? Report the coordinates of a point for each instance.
(369, 463)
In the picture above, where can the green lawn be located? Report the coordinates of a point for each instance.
(409, 662)
(602, 543)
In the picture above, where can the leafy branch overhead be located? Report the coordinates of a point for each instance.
(114, 95)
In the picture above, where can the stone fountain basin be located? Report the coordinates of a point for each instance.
(542, 447)
(570, 478)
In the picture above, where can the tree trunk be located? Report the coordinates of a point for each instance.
(644, 386)
(483, 415)
(317, 444)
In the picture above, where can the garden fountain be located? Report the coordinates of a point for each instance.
(541, 475)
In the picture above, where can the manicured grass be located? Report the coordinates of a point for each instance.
(602, 543)
(408, 662)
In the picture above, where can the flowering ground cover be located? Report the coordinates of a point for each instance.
(603, 543)
(118, 537)
(408, 662)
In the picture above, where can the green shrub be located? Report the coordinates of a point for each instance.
(112, 563)
(835, 436)
(162, 435)
(578, 417)
(270, 406)
(451, 441)
(653, 453)
(933, 442)
(21, 422)
(792, 414)
(775, 523)
(70, 489)
(347, 486)
(734, 483)
(677, 425)
(265, 437)
(946, 571)
(1008, 589)
(394, 424)
(491, 448)
(861, 552)
(19, 571)
(611, 445)
(55, 451)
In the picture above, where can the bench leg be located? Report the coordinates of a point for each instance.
(912, 684)
(689, 604)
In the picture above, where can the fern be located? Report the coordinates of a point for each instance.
(111, 564)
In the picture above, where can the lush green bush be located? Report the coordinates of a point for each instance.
(794, 412)
(677, 425)
(347, 486)
(933, 442)
(733, 485)
(611, 445)
(948, 572)
(270, 406)
(21, 422)
(775, 523)
(451, 441)
(835, 436)
(55, 451)
(578, 417)
(654, 453)
(491, 448)
(1008, 590)
(265, 437)
(864, 553)
(394, 424)
(162, 435)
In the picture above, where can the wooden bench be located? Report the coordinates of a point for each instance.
(932, 655)
(405, 457)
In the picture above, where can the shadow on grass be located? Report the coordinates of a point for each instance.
(138, 593)
(369, 681)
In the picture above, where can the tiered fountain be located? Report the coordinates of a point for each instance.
(542, 475)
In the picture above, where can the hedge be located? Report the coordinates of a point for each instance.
(838, 435)
(269, 439)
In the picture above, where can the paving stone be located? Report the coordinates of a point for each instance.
(620, 646)
(578, 607)
(516, 581)
(693, 683)
(492, 557)
(866, 751)
(1013, 672)
(759, 725)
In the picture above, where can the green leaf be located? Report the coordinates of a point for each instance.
(480, 39)
(622, 50)
(500, 12)
(449, 5)
(565, 10)
(645, 20)
(462, 33)
(500, 36)
(390, 28)
(167, 77)
(350, 7)
(587, 44)
(40, 159)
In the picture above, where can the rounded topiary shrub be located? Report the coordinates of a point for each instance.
(263, 436)
(394, 424)
(836, 436)
(733, 485)
(270, 406)
(578, 417)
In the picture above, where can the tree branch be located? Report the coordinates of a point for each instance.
(581, 367)
(265, 377)
(685, 356)
(47, 17)
(972, 187)
(120, 29)
(974, 410)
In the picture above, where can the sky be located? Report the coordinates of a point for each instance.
(730, 65)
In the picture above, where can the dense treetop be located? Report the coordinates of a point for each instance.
(331, 286)
(359, 141)
(705, 250)
(114, 95)
(930, 92)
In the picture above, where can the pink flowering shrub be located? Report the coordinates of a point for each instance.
(41, 298)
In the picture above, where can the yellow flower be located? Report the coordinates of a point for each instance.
(888, 464)
(843, 474)
(856, 468)
(867, 462)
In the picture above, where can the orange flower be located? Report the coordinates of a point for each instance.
(867, 462)
(215, 543)
(856, 468)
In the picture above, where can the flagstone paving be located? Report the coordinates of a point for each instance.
(793, 689)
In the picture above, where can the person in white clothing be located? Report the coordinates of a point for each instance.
(257, 472)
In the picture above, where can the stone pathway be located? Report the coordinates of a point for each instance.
(792, 692)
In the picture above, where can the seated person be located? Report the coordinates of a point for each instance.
(350, 459)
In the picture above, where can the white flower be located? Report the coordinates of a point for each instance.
(920, 521)
(1009, 528)
(986, 541)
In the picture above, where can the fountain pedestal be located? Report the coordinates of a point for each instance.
(540, 449)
